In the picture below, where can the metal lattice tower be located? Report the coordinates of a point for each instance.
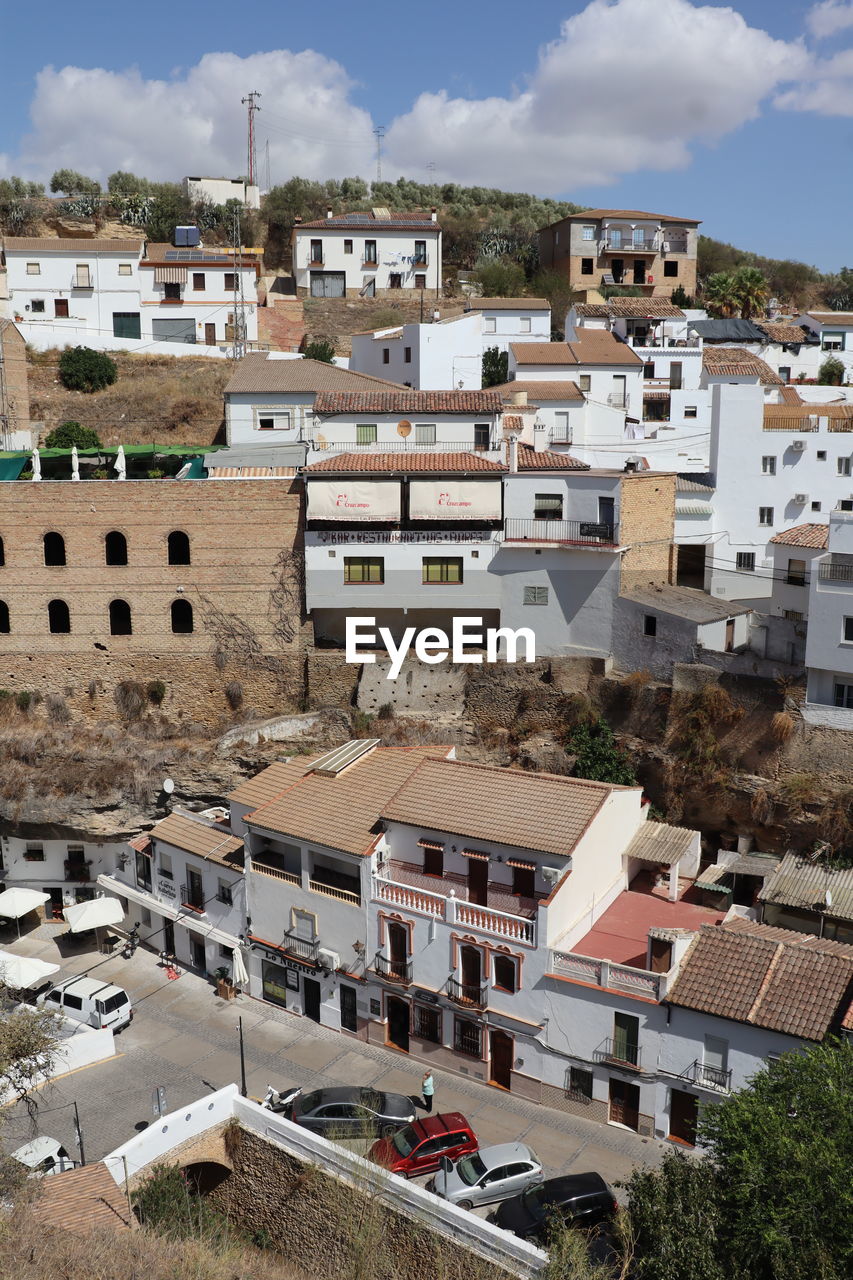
(239, 348)
(379, 133)
(250, 102)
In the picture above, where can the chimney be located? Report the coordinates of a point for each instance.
(297, 219)
(329, 213)
(433, 214)
(512, 436)
(519, 397)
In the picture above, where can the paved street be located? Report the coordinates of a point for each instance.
(184, 1038)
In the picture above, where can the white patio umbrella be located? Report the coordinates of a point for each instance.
(17, 902)
(36, 461)
(97, 913)
(24, 972)
(75, 463)
(120, 465)
(239, 972)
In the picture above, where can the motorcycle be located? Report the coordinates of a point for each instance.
(279, 1101)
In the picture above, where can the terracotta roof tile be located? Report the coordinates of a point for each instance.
(804, 535)
(548, 389)
(407, 401)
(832, 317)
(513, 422)
(405, 462)
(366, 220)
(790, 395)
(797, 416)
(213, 843)
(69, 244)
(257, 373)
(591, 346)
(734, 362)
(83, 1199)
(784, 332)
(595, 215)
(538, 811)
(639, 308)
(530, 459)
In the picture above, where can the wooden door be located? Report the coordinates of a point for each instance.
(398, 949)
(502, 1052)
(471, 964)
(730, 635)
(661, 955)
(624, 1103)
(210, 335)
(349, 1014)
(311, 998)
(478, 881)
(398, 1023)
(683, 1113)
(197, 954)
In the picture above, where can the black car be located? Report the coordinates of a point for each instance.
(344, 1112)
(579, 1199)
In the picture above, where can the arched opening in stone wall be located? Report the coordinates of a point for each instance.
(182, 617)
(205, 1176)
(115, 547)
(179, 547)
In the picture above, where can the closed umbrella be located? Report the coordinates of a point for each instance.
(75, 463)
(120, 466)
(239, 972)
(18, 902)
(23, 972)
(36, 460)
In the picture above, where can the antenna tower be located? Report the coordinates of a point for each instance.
(250, 102)
(239, 302)
(379, 133)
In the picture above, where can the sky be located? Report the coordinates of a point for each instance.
(740, 115)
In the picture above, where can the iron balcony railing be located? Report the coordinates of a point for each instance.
(835, 572)
(624, 1052)
(582, 533)
(404, 446)
(472, 994)
(625, 242)
(707, 1077)
(392, 970)
(192, 899)
(300, 948)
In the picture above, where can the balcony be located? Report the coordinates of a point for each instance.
(335, 884)
(617, 400)
(276, 873)
(835, 572)
(192, 900)
(392, 970)
(473, 995)
(369, 264)
(408, 445)
(626, 242)
(561, 435)
(569, 533)
(674, 243)
(445, 898)
(419, 263)
(77, 871)
(301, 948)
(623, 1053)
(333, 891)
(609, 975)
(706, 1077)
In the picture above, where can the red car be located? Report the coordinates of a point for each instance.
(420, 1146)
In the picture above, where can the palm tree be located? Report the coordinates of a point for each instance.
(751, 291)
(720, 294)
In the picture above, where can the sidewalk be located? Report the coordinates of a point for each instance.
(185, 1039)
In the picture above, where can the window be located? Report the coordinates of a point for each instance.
(768, 465)
(370, 252)
(58, 618)
(535, 595)
(226, 953)
(223, 893)
(832, 342)
(34, 853)
(37, 305)
(125, 269)
(182, 617)
(524, 881)
(481, 435)
(796, 575)
(120, 620)
(844, 466)
(843, 695)
(586, 266)
(584, 382)
(785, 372)
(846, 504)
(626, 1038)
(580, 1082)
(715, 1060)
(490, 324)
(386, 355)
(198, 282)
(427, 1023)
(424, 433)
(765, 515)
(506, 973)
(848, 630)
(178, 547)
(675, 375)
(690, 411)
(127, 324)
(172, 291)
(274, 422)
(395, 280)
(348, 246)
(33, 268)
(60, 308)
(420, 253)
(467, 1038)
(166, 867)
(54, 549)
(821, 455)
(4, 618)
(670, 267)
(82, 278)
(524, 324)
(793, 615)
(650, 625)
(587, 233)
(815, 506)
(365, 433)
(420, 281)
(115, 548)
(72, 1002)
(145, 916)
(433, 861)
(649, 369)
(438, 570)
(745, 560)
(316, 250)
(230, 282)
(548, 506)
(407, 355)
(361, 571)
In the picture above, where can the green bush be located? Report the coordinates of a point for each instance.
(322, 349)
(831, 372)
(71, 433)
(82, 369)
(23, 700)
(155, 691)
(495, 367)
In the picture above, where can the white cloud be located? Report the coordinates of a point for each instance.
(829, 17)
(628, 85)
(97, 121)
(828, 90)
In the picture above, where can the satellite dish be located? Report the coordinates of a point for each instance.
(168, 786)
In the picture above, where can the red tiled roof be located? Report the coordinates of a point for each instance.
(823, 317)
(595, 215)
(408, 401)
(83, 1199)
(513, 422)
(548, 389)
(783, 332)
(545, 460)
(638, 308)
(804, 535)
(404, 462)
(508, 304)
(256, 372)
(366, 220)
(790, 395)
(591, 346)
(733, 362)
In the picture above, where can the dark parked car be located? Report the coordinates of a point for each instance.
(419, 1147)
(579, 1199)
(344, 1112)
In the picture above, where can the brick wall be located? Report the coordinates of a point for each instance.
(646, 524)
(237, 531)
(13, 379)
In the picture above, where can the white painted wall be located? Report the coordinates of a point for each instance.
(502, 326)
(221, 190)
(50, 872)
(395, 253)
(447, 356)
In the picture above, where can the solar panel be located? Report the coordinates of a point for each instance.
(194, 255)
(334, 762)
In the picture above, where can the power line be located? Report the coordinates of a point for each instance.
(251, 104)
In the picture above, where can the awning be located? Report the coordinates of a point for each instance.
(170, 275)
(190, 920)
(11, 468)
(251, 473)
(455, 499)
(18, 902)
(521, 864)
(353, 499)
(24, 972)
(95, 914)
(430, 844)
(475, 853)
(656, 395)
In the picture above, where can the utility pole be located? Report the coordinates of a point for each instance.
(239, 301)
(379, 133)
(267, 153)
(251, 104)
(79, 1135)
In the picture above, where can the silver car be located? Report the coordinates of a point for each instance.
(492, 1173)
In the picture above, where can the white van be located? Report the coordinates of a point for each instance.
(98, 1004)
(44, 1156)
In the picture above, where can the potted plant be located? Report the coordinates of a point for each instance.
(225, 988)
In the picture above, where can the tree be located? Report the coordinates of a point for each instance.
(121, 183)
(680, 298)
(832, 372)
(320, 349)
(838, 291)
(554, 286)
(499, 277)
(72, 183)
(73, 433)
(720, 294)
(750, 290)
(674, 1217)
(82, 369)
(29, 1042)
(598, 756)
(495, 367)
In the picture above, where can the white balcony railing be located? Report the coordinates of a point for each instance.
(452, 910)
(276, 873)
(332, 891)
(606, 973)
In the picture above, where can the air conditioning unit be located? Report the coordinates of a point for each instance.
(801, 499)
(329, 959)
(798, 446)
(550, 874)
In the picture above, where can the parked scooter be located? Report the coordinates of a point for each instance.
(279, 1101)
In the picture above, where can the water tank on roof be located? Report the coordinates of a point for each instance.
(187, 237)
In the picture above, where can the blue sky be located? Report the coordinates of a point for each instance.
(741, 116)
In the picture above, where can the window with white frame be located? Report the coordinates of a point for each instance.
(33, 268)
(166, 867)
(82, 276)
(223, 893)
(847, 630)
(832, 342)
(765, 515)
(843, 694)
(745, 561)
(524, 324)
(690, 411)
(768, 465)
(424, 433)
(489, 324)
(125, 269)
(584, 382)
(273, 420)
(588, 233)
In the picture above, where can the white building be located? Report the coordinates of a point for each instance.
(368, 255)
(66, 869)
(444, 356)
(509, 320)
(829, 642)
(834, 332)
(221, 190)
(189, 294)
(183, 884)
(606, 370)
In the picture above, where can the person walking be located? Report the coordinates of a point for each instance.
(428, 1090)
